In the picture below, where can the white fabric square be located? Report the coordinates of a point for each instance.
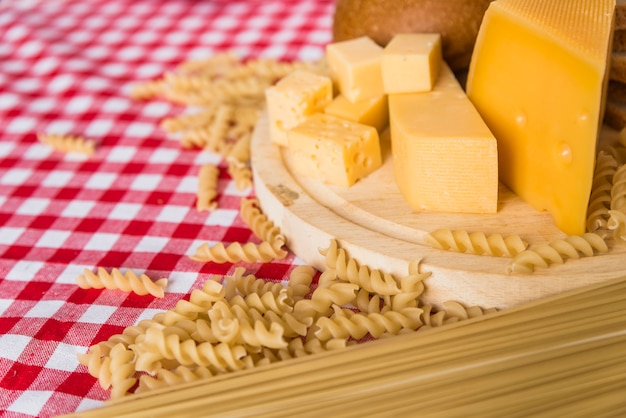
(31, 48)
(8, 234)
(114, 69)
(42, 104)
(30, 402)
(172, 213)
(24, 271)
(28, 85)
(115, 105)
(20, 125)
(13, 345)
(101, 181)
(6, 148)
(188, 184)
(146, 182)
(149, 313)
(61, 126)
(52, 238)
(45, 309)
(4, 305)
(222, 217)
(38, 151)
(71, 272)
(78, 209)
(45, 65)
(140, 129)
(64, 357)
(150, 244)
(8, 100)
(57, 179)
(310, 53)
(97, 314)
(33, 206)
(231, 189)
(78, 104)
(163, 156)
(61, 82)
(164, 53)
(121, 154)
(15, 176)
(181, 282)
(99, 128)
(125, 211)
(101, 241)
(156, 109)
(87, 404)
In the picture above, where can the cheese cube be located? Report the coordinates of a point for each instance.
(293, 98)
(445, 159)
(334, 150)
(411, 62)
(356, 67)
(537, 78)
(372, 112)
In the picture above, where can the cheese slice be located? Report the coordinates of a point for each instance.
(356, 67)
(538, 77)
(411, 62)
(294, 98)
(334, 150)
(445, 159)
(373, 112)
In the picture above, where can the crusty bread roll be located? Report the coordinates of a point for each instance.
(457, 21)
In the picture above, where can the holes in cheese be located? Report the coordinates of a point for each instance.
(293, 98)
(537, 77)
(334, 150)
(445, 158)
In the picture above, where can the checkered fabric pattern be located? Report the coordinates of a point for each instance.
(66, 67)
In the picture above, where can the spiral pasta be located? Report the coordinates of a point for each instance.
(68, 143)
(236, 252)
(241, 174)
(348, 270)
(476, 242)
(259, 223)
(357, 325)
(557, 251)
(600, 199)
(127, 282)
(207, 187)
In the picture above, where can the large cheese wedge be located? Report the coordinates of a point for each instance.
(445, 159)
(537, 77)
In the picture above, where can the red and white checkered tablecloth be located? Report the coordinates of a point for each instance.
(66, 67)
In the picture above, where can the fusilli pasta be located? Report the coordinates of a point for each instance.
(207, 187)
(127, 282)
(68, 143)
(476, 242)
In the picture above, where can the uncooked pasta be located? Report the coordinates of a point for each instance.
(127, 282)
(68, 143)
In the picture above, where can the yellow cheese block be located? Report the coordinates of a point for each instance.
(334, 150)
(293, 99)
(373, 112)
(445, 159)
(411, 62)
(356, 67)
(537, 77)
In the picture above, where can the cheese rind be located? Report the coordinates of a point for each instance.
(372, 112)
(356, 67)
(537, 77)
(411, 62)
(445, 158)
(293, 99)
(334, 150)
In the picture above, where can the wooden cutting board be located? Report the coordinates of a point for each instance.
(376, 227)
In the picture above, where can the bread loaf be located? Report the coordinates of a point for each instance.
(457, 21)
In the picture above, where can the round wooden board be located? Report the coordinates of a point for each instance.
(376, 227)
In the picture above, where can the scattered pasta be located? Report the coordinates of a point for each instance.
(127, 282)
(557, 251)
(68, 143)
(476, 243)
(207, 187)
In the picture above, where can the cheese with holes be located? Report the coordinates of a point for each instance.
(334, 150)
(537, 77)
(411, 62)
(293, 99)
(355, 65)
(373, 112)
(445, 159)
